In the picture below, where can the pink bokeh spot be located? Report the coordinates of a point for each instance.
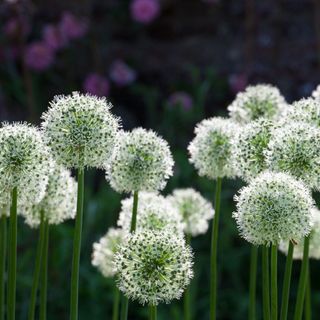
(182, 99)
(238, 82)
(38, 56)
(96, 84)
(144, 11)
(121, 74)
(54, 37)
(72, 27)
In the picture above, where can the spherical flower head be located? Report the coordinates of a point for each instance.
(153, 267)
(260, 101)
(250, 147)
(274, 207)
(295, 149)
(141, 161)
(39, 56)
(155, 212)
(144, 11)
(104, 251)
(314, 247)
(211, 149)
(121, 74)
(25, 162)
(80, 130)
(59, 202)
(180, 99)
(316, 93)
(97, 85)
(195, 210)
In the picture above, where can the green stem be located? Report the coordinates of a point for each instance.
(286, 283)
(186, 296)
(274, 282)
(3, 254)
(44, 273)
(36, 274)
(12, 263)
(153, 312)
(265, 283)
(302, 281)
(308, 308)
(116, 301)
(214, 247)
(124, 308)
(253, 282)
(77, 248)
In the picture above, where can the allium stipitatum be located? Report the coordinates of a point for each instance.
(250, 147)
(25, 163)
(80, 130)
(314, 244)
(195, 210)
(154, 267)
(316, 93)
(260, 101)
(274, 207)
(104, 251)
(141, 161)
(59, 202)
(295, 149)
(155, 212)
(211, 149)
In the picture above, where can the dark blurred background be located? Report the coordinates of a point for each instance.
(164, 64)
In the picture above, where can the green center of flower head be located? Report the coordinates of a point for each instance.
(220, 150)
(154, 222)
(260, 108)
(154, 264)
(259, 144)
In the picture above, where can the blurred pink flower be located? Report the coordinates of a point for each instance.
(72, 27)
(238, 82)
(54, 37)
(96, 84)
(180, 98)
(38, 56)
(144, 11)
(121, 74)
(14, 26)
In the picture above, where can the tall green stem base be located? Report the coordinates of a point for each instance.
(3, 254)
(253, 282)
(44, 273)
(265, 283)
(153, 312)
(274, 282)
(214, 247)
(116, 302)
(308, 307)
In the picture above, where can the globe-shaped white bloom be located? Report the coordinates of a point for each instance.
(195, 210)
(153, 267)
(155, 212)
(295, 149)
(104, 251)
(250, 147)
(259, 101)
(80, 130)
(141, 161)
(316, 93)
(59, 202)
(314, 242)
(274, 207)
(211, 149)
(25, 163)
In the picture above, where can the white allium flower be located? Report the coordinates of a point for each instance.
(295, 149)
(59, 202)
(25, 163)
(259, 101)
(141, 161)
(195, 210)
(274, 207)
(314, 244)
(105, 250)
(154, 267)
(316, 93)
(250, 146)
(211, 149)
(80, 130)
(155, 212)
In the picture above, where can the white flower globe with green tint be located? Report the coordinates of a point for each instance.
(211, 149)
(155, 212)
(194, 209)
(153, 267)
(316, 93)
(295, 149)
(259, 101)
(250, 147)
(274, 207)
(80, 130)
(141, 161)
(104, 251)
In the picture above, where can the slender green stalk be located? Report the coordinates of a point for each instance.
(44, 273)
(3, 254)
(12, 263)
(286, 283)
(214, 247)
(274, 282)
(36, 274)
(253, 282)
(302, 281)
(77, 248)
(265, 283)
(124, 300)
(186, 296)
(308, 308)
(153, 312)
(116, 302)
